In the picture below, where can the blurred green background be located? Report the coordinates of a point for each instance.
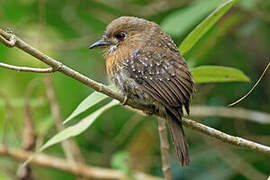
(65, 29)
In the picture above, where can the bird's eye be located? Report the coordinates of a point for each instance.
(121, 36)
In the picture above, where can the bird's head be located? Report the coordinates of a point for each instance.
(125, 32)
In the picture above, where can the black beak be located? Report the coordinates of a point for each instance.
(99, 43)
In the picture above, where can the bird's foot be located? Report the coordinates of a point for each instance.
(149, 113)
(124, 102)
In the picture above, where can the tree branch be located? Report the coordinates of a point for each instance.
(164, 147)
(63, 165)
(238, 141)
(8, 41)
(27, 69)
(116, 95)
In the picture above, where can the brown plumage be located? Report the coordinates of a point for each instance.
(145, 64)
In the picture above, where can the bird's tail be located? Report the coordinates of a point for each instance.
(178, 136)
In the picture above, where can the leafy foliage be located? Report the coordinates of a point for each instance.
(79, 127)
(207, 74)
(87, 103)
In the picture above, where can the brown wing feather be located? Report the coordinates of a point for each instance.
(166, 79)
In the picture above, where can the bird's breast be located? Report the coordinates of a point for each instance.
(116, 61)
(119, 74)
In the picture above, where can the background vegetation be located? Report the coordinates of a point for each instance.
(120, 138)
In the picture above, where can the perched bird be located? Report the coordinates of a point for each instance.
(145, 64)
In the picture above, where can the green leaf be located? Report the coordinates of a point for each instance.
(79, 127)
(181, 21)
(204, 26)
(206, 74)
(87, 103)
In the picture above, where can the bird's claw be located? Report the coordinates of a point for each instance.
(124, 102)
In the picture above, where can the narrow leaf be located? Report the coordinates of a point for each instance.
(204, 26)
(181, 21)
(79, 127)
(87, 103)
(206, 74)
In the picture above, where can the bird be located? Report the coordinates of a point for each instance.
(145, 65)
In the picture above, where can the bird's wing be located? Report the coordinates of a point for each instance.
(163, 75)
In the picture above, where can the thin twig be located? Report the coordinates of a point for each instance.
(116, 95)
(27, 69)
(43, 160)
(29, 137)
(250, 91)
(235, 113)
(164, 147)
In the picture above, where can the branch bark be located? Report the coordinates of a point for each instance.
(27, 69)
(78, 169)
(164, 147)
(29, 137)
(238, 141)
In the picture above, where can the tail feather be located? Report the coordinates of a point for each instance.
(178, 136)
